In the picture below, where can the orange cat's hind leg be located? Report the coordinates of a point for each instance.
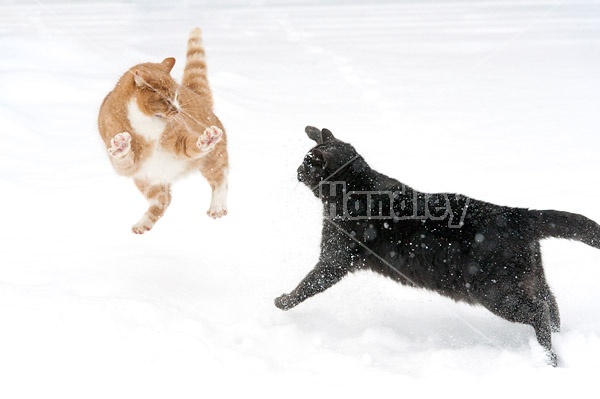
(218, 202)
(159, 198)
(215, 168)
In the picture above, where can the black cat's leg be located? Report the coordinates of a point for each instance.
(544, 292)
(550, 300)
(521, 308)
(543, 330)
(318, 280)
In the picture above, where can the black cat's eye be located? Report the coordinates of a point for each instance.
(314, 160)
(317, 157)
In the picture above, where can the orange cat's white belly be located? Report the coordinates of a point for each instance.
(162, 167)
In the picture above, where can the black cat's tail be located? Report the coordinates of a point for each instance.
(570, 226)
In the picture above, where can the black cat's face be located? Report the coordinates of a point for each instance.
(328, 160)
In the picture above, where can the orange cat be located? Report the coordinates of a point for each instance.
(157, 131)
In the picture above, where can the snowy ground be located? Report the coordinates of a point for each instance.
(497, 100)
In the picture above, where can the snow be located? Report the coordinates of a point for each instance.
(496, 100)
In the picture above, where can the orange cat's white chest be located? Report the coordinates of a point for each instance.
(148, 126)
(160, 166)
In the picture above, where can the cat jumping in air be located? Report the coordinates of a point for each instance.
(156, 131)
(466, 249)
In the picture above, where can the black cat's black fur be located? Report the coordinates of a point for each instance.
(460, 247)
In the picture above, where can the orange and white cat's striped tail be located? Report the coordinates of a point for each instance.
(194, 73)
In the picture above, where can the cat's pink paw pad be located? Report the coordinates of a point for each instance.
(120, 145)
(209, 138)
(144, 225)
(217, 213)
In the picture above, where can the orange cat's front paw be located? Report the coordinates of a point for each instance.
(209, 139)
(120, 145)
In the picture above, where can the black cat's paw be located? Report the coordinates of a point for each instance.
(284, 302)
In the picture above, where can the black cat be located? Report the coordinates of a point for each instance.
(463, 248)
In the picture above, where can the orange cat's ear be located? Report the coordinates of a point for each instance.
(139, 80)
(168, 62)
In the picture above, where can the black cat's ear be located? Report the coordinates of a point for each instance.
(313, 133)
(319, 136)
(327, 135)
